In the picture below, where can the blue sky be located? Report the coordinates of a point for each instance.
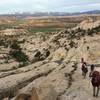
(10, 6)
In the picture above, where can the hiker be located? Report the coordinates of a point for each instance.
(92, 67)
(82, 60)
(87, 47)
(95, 75)
(84, 69)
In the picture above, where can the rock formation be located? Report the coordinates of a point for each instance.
(57, 77)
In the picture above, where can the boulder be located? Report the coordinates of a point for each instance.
(59, 54)
(47, 92)
(43, 92)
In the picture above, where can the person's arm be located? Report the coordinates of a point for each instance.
(91, 74)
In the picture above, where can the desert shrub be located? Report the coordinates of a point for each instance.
(71, 36)
(2, 42)
(90, 32)
(15, 46)
(72, 44)
(96, 29)
(17, 53)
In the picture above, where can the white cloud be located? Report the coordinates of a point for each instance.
(9, 1)
(7, 6)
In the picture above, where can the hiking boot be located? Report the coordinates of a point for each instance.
(96, 96)
(93, 95)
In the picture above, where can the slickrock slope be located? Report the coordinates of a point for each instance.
(89, 24)
(58, 77)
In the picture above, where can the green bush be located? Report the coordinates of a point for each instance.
(15, 46)
(17, 53)
(72, 44)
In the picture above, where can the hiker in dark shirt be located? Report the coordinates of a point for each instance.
(84, 69)
(92, 67)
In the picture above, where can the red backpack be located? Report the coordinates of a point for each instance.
(96, 77)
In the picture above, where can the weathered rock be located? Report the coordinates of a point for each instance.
(43, 92)
(59, 54)
(11, 84)
(47, 92)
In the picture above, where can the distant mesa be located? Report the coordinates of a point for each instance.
(36, 14)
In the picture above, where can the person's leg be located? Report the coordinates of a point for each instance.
(84, 74)
(94, 91)
(97, 91)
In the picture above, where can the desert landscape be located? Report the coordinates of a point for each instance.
(40, 57)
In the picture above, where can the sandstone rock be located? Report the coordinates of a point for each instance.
(59, 54)
(43, 92)
(47, 92)
(88, 24)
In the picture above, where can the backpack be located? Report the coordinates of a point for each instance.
(96, 77)
(84, 69)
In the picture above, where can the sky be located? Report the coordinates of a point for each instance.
(11, 6)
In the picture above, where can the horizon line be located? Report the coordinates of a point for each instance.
(30, 12)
